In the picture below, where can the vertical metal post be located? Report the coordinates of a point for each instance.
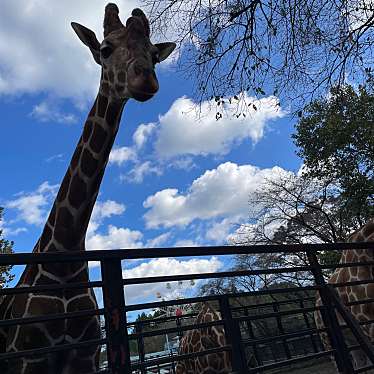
(252, 336)
(281, 330)
(307, 324)
(141, 350)
(115, 317)
(330, 320)
(233, 337)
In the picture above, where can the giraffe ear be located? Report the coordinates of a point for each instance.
(164, 50)
(88, 38)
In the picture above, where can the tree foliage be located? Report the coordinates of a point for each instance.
(288, 48)
(6, 247)
(335, 137)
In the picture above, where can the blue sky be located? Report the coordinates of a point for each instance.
(173, 178)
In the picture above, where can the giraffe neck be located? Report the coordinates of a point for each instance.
(364, 234)
(68, 220)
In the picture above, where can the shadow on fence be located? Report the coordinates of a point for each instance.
(262, 337)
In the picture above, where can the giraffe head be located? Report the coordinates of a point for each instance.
(126, 55)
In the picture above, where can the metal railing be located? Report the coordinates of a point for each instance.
(239, 321)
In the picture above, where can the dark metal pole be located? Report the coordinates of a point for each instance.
(330, 320)
(281, 330)
(141, 350)
(118, 349)
(233, 337)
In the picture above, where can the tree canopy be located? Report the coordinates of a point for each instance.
(335, 138)
(294, 49)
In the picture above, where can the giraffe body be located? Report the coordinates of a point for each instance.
(362, 312)
(127, 58)
(199, 340)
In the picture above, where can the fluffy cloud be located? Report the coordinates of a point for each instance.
(140, 170)
(142, 134)
(39, 51)
(32, 207)
(165, 266)
(116, 237)
(48, 112)
(222, 192)
(103, 210)
(191, 128)
(120, 155)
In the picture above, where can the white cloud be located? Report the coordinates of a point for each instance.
(120, 155)
(164, 266)
(39, 51)
(116, 238)
(32, 207)
(142, 134)
(190, 129)
(222, 192)
(140, 170)
(103, 210)
(47, 111)
(158, 241)
(218, 232)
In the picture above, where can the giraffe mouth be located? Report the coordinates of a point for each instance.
(141, 95)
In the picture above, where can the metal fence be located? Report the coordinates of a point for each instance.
(252, 351)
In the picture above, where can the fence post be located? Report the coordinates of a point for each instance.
(330, 319)
(281, 330)
(308, 326)
(233, 336)
(252, 336)
(115, 317)
(141, 350)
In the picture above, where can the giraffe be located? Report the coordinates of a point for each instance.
(362, 312)
(127, 59)
(199, 340)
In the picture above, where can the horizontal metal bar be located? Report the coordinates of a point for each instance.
(223, 274)
(143, 253)
(347, 264)
(199, 299)
(168, 330)
(353, 283)
(280, 313)
(175, 358)
(290, 361)
(50, 317)
(364, 369)
(49, 287)
(291, 335)
(44, 351)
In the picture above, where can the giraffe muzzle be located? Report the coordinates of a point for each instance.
(142, 82)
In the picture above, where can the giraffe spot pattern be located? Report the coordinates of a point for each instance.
(45, 238)
(64, 187)
(98, 138)
(122, 77)
(76, 157)
(78, 191)
(87, 131)
(102, 105)
(119, 88)
(52, 215)
(89, 163)
(111, 76)
(112, 113)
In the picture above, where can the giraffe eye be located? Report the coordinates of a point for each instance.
(106, 51)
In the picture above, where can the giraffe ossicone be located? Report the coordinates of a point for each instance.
(127, 58)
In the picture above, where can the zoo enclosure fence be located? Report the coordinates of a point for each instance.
(238, 320)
